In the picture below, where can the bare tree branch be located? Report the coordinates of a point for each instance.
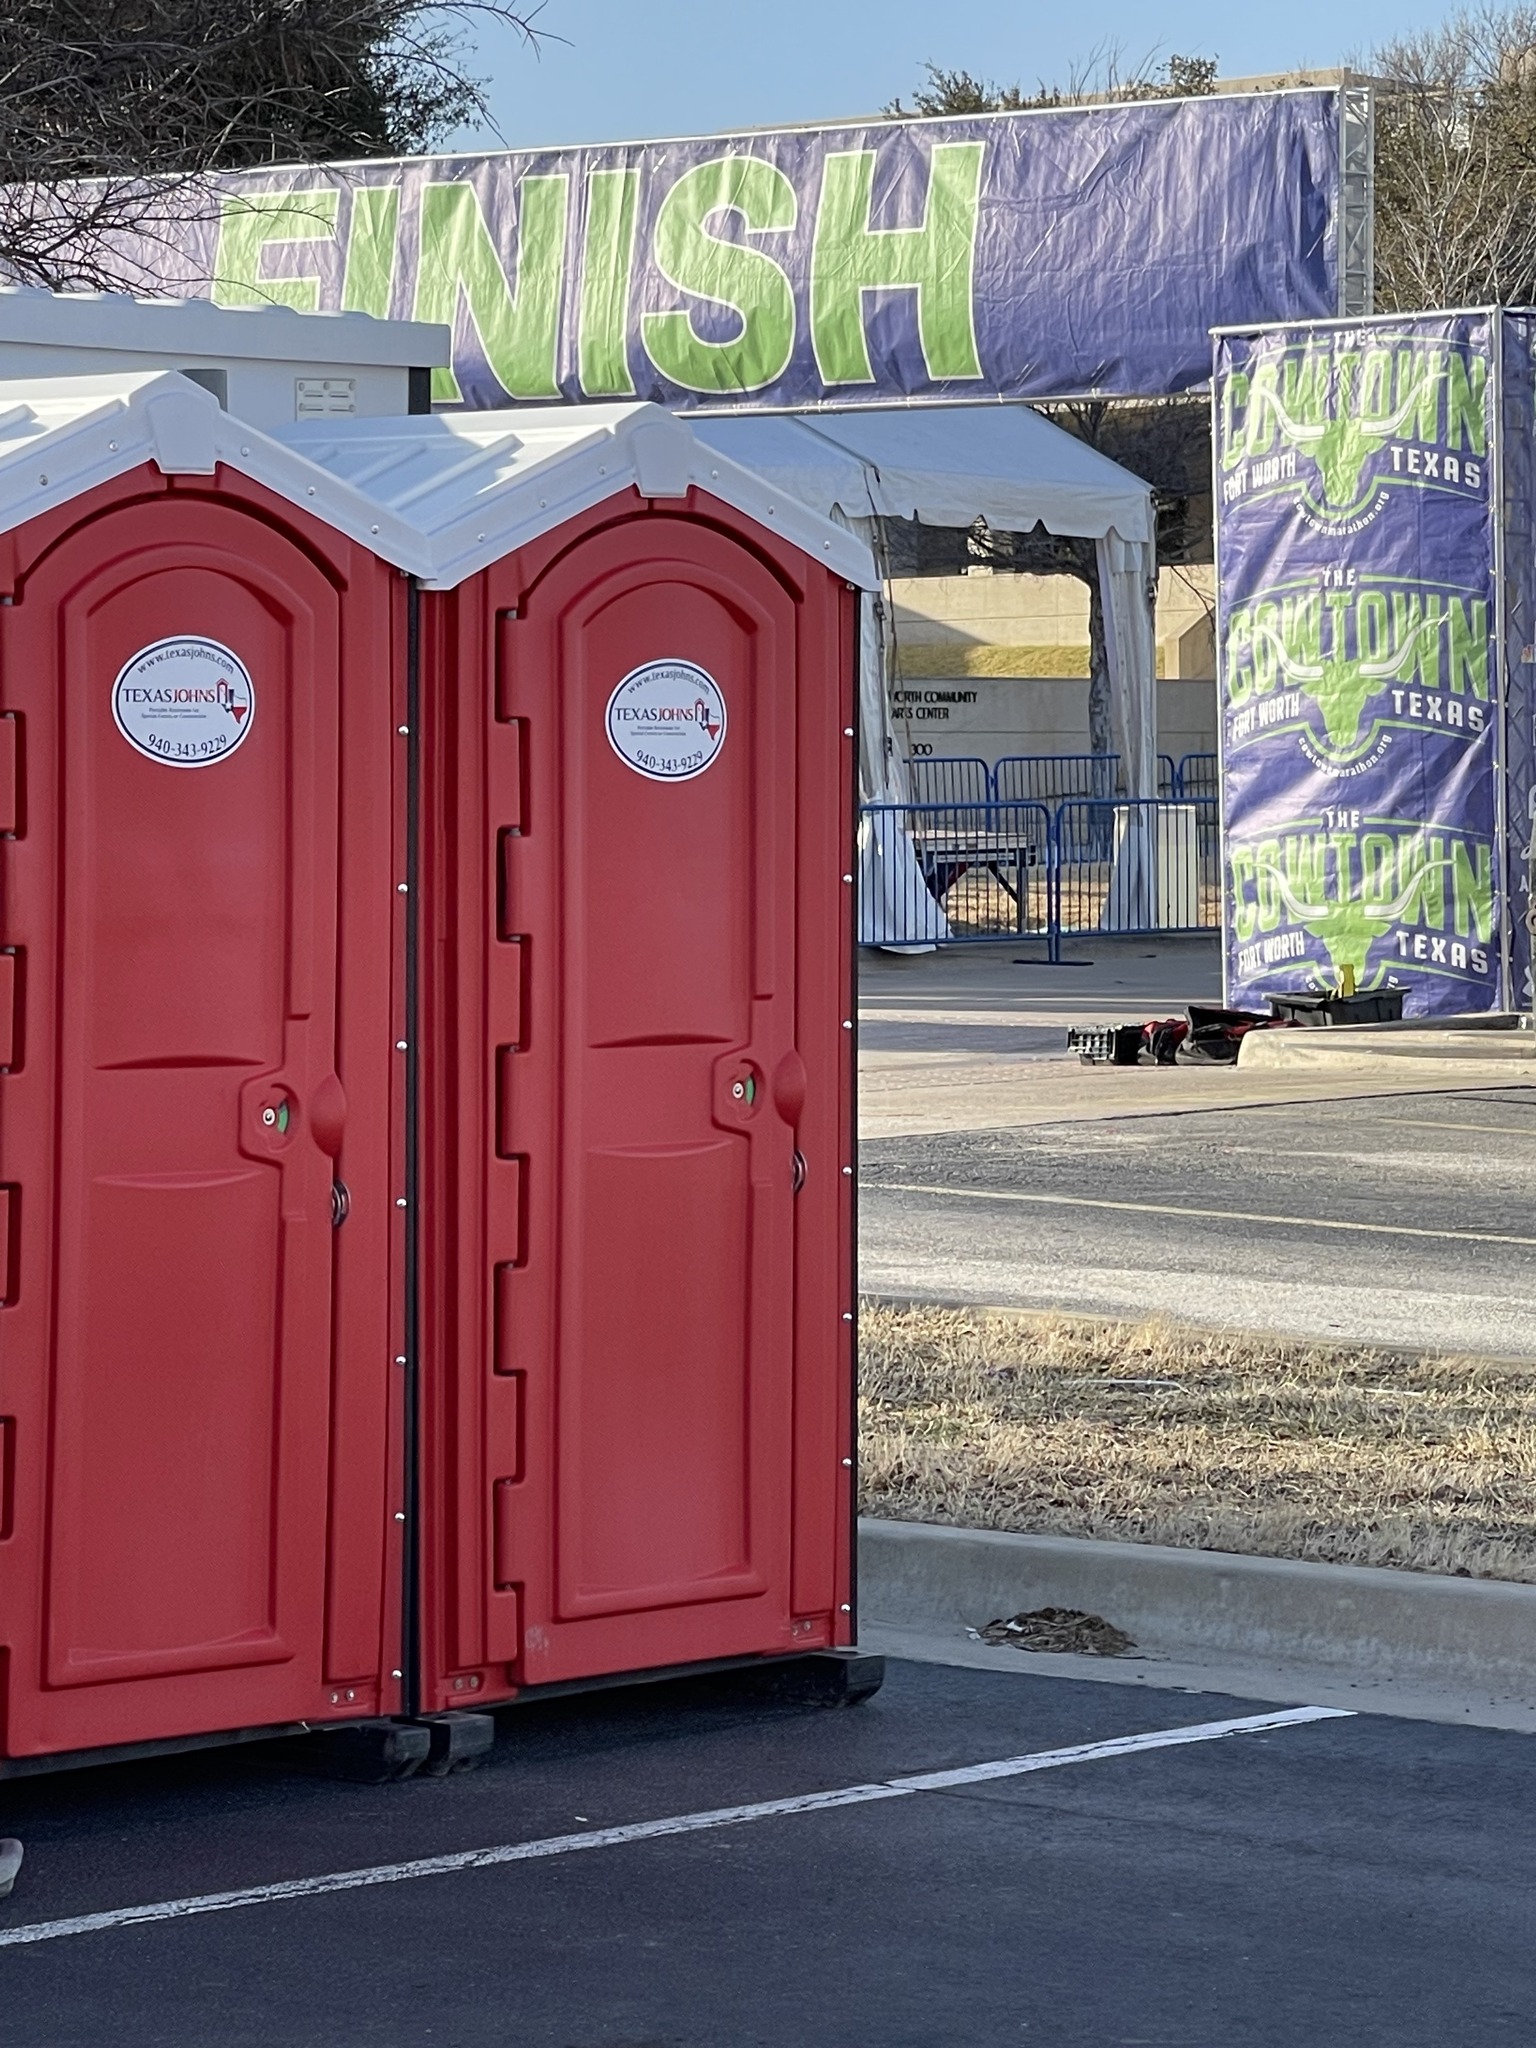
(144, 99)
(1456, 162)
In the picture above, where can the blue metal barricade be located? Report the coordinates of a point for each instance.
(1059, 778)
(953, 873)
(986, 870)
(1200, 780)
(1048, 778)
(949, 779)
(1133, 867)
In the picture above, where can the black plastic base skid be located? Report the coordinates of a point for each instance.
(824, 1678)
(382, 1752)
(366, 1752)
(460, 1742)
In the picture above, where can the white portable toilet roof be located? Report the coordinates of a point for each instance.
(61, 436)
(197, 327)
(476, 486)
(438, 496)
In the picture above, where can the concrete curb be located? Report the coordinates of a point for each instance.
(1394, 1053)
(1455, 1639)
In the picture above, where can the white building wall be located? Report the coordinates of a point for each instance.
(994, 664)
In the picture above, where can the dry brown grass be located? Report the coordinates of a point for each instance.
(1157, 1434)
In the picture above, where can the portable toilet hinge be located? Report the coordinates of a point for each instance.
(11, 775)
(502, 676)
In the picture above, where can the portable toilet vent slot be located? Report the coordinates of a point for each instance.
(324, 397)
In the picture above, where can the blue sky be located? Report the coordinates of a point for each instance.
(636, 68)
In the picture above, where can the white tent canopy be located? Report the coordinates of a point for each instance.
(949, 466)
(943, 465)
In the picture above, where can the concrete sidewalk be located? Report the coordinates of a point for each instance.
(922, 999)
(1456, 1056)
(971, 1040)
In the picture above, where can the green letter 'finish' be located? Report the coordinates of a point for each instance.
(746, 281)
(518, 328)
(372, 239)
(607, 268)
(247, 224)
(936, 260)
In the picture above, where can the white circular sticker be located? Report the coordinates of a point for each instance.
(187, 702)
(667, 720)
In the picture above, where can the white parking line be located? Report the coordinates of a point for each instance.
(902, 1187)
(1428, 1123)
(655, 1830)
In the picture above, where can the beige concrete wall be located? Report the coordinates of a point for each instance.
(997, 664)
(1000, 624)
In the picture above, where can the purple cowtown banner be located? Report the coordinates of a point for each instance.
(1360, 689)
(1361, 702)
(1034, 255)
(1515, 411)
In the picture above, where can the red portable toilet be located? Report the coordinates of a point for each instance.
(425, 1065)
(634, 951)
(202, 803)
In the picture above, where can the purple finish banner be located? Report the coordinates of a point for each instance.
(1361, 688)
(1035, 255)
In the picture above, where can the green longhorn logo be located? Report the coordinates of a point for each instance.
(1341, 688)
(1348, 930)
(1343, 445)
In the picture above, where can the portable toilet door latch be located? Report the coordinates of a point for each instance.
(738, 1089)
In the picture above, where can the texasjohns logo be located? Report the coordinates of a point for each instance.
(667, 720)
(1342, 420)
(187, 702)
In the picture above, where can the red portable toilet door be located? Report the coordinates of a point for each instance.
(175, 670)
(643, 1186)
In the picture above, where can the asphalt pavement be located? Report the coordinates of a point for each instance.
(1344, 1883)
(1394, 1219)
(1076, 1864)
(997, 1169)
